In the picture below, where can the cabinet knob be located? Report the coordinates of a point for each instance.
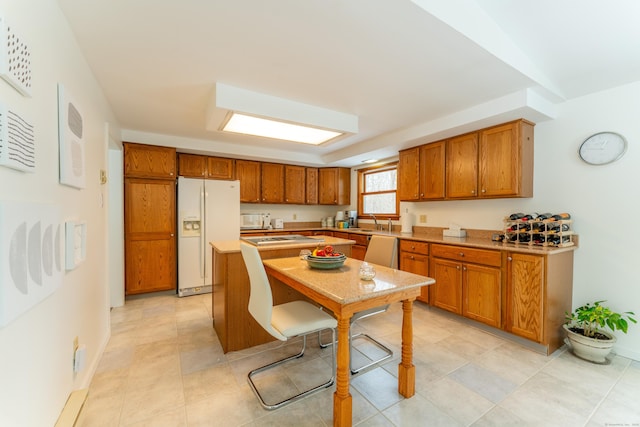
(473, 191)
(461, 254)
(509, 258)
(412, 257)
(413, 247)
(464, 268)
(171, 234)
(484, 191)
(171, 173)
(457, 267)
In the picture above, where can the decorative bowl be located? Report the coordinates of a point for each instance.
(326, 262)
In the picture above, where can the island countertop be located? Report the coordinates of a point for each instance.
(231, 246)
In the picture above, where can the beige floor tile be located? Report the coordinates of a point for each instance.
(448, 394)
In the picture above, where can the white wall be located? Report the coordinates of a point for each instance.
(603, 201)
(37, 348)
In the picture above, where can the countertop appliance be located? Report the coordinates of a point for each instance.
(251, 221)
(208, 210)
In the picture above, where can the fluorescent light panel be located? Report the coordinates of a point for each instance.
(250, 125)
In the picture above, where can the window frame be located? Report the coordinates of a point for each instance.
(361, 177)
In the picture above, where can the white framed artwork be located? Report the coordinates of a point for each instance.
(70, 141)
(15, 59)
(31, 259)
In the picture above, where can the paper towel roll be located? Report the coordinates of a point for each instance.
(406, 221)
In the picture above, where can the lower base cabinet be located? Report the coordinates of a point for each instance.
(414, 258)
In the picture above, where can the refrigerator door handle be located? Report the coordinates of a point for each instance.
(202, 232)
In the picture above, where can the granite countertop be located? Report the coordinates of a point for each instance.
(344, 284)
(475, 238)
(230, 246)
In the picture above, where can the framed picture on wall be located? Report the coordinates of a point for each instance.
(70, 141)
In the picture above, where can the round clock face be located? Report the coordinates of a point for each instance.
(602, 148)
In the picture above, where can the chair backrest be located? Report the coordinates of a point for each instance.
(260, 297)
(382, 250)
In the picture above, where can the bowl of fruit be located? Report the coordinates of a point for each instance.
(326, 258)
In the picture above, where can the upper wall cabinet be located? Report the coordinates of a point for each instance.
(506, 160)
(149, 161)
(294, 184)
(311, 190)
(334, 186)
(272, 182)
(196, 166)
(496, 162)
(248, 173)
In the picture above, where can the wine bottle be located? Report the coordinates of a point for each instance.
(528, 217)
(516, 216)
(561, 216)
(542, 217)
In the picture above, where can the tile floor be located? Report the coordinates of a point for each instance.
(164, 366)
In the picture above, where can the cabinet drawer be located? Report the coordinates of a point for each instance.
(462, 253)
(361, 239)
(414, 246)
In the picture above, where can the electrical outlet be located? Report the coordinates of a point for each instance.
(423, 218)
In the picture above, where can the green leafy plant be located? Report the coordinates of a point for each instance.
(590, 317)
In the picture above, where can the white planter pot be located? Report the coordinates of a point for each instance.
(590, 349)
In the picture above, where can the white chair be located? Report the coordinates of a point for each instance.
(284, 321)
(382, 250)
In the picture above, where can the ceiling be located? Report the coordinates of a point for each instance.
(412, 71)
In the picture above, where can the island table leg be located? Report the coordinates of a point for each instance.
(406, 368)
(342, 398)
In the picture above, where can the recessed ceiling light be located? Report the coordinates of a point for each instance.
(257, 112)
(250, 125)
(370, 161)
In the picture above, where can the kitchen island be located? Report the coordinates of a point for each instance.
(232, 321)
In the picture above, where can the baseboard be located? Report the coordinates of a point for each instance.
(72, 408)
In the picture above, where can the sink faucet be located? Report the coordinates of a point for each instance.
(375, 221)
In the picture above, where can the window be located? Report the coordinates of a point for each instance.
(377, 191)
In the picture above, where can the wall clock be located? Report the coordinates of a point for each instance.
(603, 148)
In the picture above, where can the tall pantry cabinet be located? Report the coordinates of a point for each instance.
(149, 222)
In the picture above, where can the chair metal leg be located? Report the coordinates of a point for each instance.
(387, 350)
(286, 359)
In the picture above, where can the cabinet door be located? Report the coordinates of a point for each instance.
(334, 186)
(294, 184)
(482, 296)
(150, 258)
(408, 174)
(418, 264)
(432, 171)
(525, 293)
(506, 160)
(219, 168)
(192, 166)
(446, 293)
(248, 173)
(272, 183)
(462, 167)
(358, 252)
(149, 161)
(311, 197)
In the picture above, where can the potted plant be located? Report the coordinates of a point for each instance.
(585, 330)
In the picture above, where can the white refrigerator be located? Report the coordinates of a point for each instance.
(208, 210)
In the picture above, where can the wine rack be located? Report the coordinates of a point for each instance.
(548, 232)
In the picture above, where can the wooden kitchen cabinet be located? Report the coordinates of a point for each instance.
(421, 172)
(272, 183)
(149, 161)
(409, 174)
(294, 184)
(150, 243)
(248, 173)
(414, 258)
(334, 186)
(539, 291)
(468, 282)
(462, 167)
(359, 250)
(432, 171)
(192, 165)
(197, 166)
(506, 160)
(311, 184)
